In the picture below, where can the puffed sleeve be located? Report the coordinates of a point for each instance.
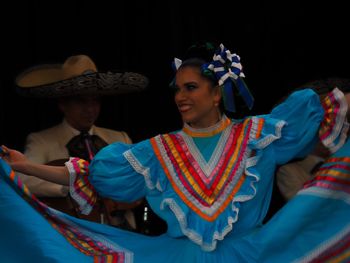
(110, 174)
(307, 120)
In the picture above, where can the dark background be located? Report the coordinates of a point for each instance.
(281, 45)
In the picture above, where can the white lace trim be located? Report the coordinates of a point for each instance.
(342, 138)
(218, 203)
(341, 126)
(245, 164)
(326, 193)
(139, 168)
(324, 246)
(250, 161)
(84, 207)
(261, 144)
(207, 167)
(208, 129)
(193, 235)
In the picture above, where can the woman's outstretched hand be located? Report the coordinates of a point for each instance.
(14, 158)
(20, 163)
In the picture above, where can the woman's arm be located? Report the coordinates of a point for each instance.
(19, 163)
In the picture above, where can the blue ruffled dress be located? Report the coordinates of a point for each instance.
(213, 188)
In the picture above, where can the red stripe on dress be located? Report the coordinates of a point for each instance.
(339, 252)
(194, 174)
(331, 108)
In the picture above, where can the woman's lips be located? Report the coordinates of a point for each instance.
(184, 108)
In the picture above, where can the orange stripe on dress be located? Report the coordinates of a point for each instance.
(227, 152)
(223, 126)
(85, 244)
(331, 107)
(184, 197)
(334, 174)
(221, 178)
(337, 253)
(188, 163)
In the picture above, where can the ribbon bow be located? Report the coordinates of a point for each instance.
(176, 64)
(228, 69)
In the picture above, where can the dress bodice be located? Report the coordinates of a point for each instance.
(207, 183)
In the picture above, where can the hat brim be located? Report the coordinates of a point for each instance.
(324, 86)
(97, 83)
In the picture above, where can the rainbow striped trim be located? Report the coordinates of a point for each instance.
(334, 126)
(89, 245)
(208, 195)
(80, 188)
(334, 175)
(337, 253)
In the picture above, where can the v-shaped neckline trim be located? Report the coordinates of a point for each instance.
(207, 167)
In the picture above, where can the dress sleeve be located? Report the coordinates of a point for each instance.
(110, 175)
(307, 119)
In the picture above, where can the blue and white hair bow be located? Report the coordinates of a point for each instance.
(228, 69)
(176, 64)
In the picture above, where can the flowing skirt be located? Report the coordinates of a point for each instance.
(312, 227)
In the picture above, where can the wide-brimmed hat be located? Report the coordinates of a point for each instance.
(78, 75)
(326, 85)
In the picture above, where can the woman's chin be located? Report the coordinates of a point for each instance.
(187, 119)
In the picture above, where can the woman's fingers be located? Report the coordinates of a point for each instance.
(4, 151)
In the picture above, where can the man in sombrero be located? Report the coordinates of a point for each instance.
(77, 85)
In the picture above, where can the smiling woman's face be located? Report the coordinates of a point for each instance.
(196, 98)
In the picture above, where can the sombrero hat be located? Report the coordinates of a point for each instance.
(326, 85)
(78, 75)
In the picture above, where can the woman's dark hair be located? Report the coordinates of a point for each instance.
(200, 54)
(201, 50)
(198, 63)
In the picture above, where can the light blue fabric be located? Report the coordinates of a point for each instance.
(304, 223)
(25, 235)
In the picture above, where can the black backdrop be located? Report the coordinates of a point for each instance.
(281, 45)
